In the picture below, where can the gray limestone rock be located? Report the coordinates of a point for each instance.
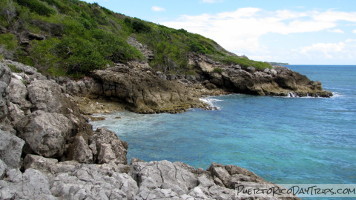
(3, 168)
(15, 113)
(107, 147)
(45, 133)
(164, 175)
(17, 92)
(80, 151)
(47, 96)
(10, 149)
(39, 163)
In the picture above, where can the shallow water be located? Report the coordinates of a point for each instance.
(284, 140)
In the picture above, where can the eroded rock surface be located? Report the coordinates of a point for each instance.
(144, 91)
(140, 180)
(277, 81)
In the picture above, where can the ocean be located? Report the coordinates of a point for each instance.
(284, 140)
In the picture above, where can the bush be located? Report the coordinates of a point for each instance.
(137, 25)
(43, 53)
(60, 5)
(37, 7)
(13, 68)
(7, 12)
(79, 55)
(9, 41)
(217, 70)
(244, 62)
(114, 48)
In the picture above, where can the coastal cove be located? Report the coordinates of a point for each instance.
(284, 140)
(96, 104)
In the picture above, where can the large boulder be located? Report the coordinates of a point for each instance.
(17, 92)
(46, 95)
(10, 149)
(176, 177)
(107, 147)
(45, 133)
(79, 150)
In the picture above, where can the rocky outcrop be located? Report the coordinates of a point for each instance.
(137, 87)
(276, 81)
(49, 124)
(107, 147)
(146, 52)
(45, 133)
(143, 91)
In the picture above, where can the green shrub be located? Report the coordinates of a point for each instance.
(9, 41)
(57, 71)
(7, 12)
(217, 70)
(244, 62)
(114, 48)
(79, 55)
(37, 7)
(137, 25)
(13, 68)
(43, 53)
(61, 5)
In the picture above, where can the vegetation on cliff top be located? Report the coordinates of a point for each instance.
(73, 37)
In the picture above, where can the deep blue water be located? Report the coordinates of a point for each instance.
(284, 140)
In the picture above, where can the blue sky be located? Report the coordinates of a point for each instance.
(293, 31)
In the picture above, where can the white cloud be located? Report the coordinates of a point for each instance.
(339, 50)
(336, 31)
(240, 30)
(211, 1)
(157, 9)
(354, 31)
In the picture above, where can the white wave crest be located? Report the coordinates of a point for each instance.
(337, 95)
(211, 103)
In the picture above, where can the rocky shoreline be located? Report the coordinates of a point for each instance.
(137, 87)
(48, 149)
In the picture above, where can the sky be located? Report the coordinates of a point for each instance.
(293, 31)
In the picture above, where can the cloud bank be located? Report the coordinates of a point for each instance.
(240, 31)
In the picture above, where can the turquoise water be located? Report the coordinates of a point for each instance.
(284, 140)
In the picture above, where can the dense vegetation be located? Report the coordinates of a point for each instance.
(73, 37)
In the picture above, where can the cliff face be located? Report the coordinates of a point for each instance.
(49, 151)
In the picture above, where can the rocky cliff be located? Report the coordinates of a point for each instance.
(49, 151)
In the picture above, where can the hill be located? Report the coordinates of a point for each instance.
(71, 37)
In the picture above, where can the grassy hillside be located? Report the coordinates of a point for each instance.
(71, 37)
